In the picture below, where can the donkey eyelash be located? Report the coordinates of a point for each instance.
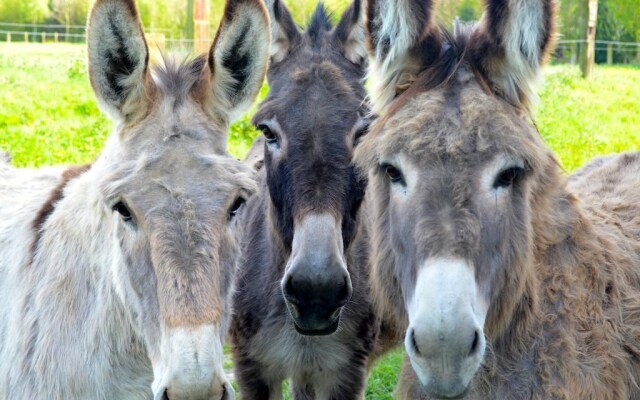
(236, 206)
(392, 173)
(269, 135)
(123, 210)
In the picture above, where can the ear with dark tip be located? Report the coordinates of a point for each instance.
(238, 58)
(284, 32)
(511, 43)
(350, 33)
(403, 39)
(118, 57)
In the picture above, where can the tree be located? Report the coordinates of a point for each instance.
(70, 12)
(23, 11)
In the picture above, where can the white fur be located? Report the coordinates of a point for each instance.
(83, 354)
(189, 363)
(523, 35)
(71, 323)
(445, 303)
(101, 42)
(256, 43)
(393, 70)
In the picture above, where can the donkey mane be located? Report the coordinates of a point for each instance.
(449, 50)
(50, 204)
(320, 22)
(177, 78)
(449, 58)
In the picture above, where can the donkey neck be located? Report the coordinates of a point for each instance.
(571, 270)
(72, 289)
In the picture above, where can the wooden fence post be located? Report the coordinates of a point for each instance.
(201, 26)
(44, 37)
(55, 37)
(26, 37)
(8, 37)
(609, 53)
(590, 54)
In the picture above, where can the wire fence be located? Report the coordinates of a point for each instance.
(55, 33)
(567, 51)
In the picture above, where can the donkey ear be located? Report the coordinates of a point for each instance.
(350, 33)
(238, 57)
(284, 32)
(403, 38)
(511, 43)
(118, 56)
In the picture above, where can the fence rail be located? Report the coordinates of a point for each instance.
(607, 51)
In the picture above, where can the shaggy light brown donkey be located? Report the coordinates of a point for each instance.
(511, 281)
(115, 278)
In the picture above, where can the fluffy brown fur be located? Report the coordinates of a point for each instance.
(556, 260)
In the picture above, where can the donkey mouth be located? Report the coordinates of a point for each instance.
(438, 393)
(318, 332)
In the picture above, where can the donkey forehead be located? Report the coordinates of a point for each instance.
(459, 122)
(173, 118)
(318, 76)
(179, 167)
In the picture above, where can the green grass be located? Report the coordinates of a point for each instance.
(48, 115)
(582, 119)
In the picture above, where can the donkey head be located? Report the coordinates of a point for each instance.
(455, 168)
(172, 189)
(311, 119)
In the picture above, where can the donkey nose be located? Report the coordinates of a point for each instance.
(316, 295)
(326, 293)
(435, 349)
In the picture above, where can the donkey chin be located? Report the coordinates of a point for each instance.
(189, 367)
(445, 340)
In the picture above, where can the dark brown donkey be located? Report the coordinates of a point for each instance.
(301, 307)
(511, 281)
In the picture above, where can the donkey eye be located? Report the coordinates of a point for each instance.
(236, 206)
(507, 177)
(392, 172)
(268, 133)
(121, 209)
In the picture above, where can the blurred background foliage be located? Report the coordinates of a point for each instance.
(617, 19)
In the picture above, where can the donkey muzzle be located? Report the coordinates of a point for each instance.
(190, 366)
(316, 284)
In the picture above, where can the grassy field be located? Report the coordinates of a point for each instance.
(48, 115)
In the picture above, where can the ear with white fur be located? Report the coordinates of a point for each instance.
(350, 34)
(238, 57)
(284, 32)
(403, 38)
(118, 57)
(511, 43)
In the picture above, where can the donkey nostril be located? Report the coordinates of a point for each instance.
(289, 291)
(414, 343)
(224, 392)
(165, 395)
(474, 344)
(343, 293)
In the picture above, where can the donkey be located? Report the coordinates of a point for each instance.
(511, 281)
(114, 277)
(301, 306)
